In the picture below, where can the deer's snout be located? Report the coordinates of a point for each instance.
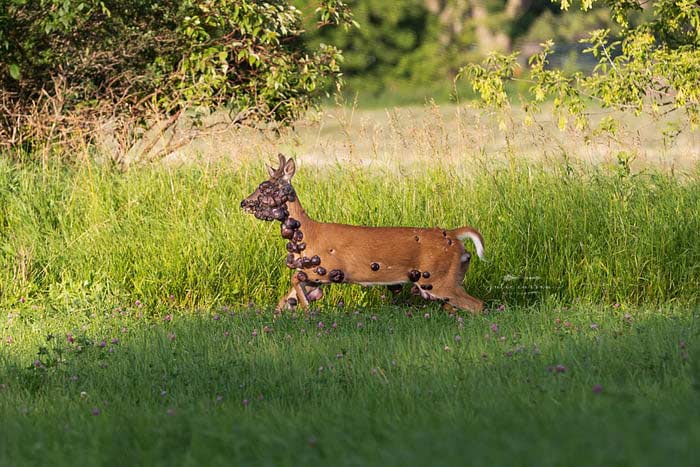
(244, 204)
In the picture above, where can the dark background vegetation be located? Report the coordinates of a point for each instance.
(409, 51)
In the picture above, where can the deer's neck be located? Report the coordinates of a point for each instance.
(297, 212)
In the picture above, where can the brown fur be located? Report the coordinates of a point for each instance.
(438, 255)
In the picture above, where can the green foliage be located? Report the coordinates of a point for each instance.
(408, 51)
(395, 41)
(489, 79)
(652, 66)
(129, 56)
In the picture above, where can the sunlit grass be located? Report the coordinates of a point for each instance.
(76, 236)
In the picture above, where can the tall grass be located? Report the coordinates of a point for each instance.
(87, 234)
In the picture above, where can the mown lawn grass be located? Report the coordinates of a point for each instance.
(390, 385)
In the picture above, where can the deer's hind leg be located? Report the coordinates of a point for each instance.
(450, 288)
(458, 298)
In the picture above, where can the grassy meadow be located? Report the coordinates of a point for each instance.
(136, 321)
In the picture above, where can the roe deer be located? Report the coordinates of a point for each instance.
(433, 259)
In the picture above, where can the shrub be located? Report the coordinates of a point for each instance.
(137, 57)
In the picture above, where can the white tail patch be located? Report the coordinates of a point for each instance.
(476, 238)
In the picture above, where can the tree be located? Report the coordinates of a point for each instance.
(652, 65)
(145, 57)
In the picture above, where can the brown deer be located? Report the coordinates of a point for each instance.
(434, 260)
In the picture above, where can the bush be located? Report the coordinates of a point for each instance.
(133, 57)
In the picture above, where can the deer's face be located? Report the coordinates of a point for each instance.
(269, 201)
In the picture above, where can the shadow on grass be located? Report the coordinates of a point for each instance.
(548, 387)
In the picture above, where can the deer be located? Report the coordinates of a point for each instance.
(433, 260)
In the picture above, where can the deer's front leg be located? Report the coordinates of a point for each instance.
(301, 293)
(288, 300)
(300, 289)
(297, 296)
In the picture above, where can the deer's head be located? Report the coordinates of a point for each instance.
(269, 201)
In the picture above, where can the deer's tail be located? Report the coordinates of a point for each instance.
(463, 233)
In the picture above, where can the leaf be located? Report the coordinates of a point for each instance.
(15, 72)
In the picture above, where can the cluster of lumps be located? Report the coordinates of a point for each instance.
(415, 275)
(272, 203)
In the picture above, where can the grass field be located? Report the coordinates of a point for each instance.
(585, 385)
(136, 322)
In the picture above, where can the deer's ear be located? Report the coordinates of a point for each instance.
(289, 169)
(272, 171)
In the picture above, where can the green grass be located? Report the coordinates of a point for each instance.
(588, 354)
(76, 236)
(524, 386)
